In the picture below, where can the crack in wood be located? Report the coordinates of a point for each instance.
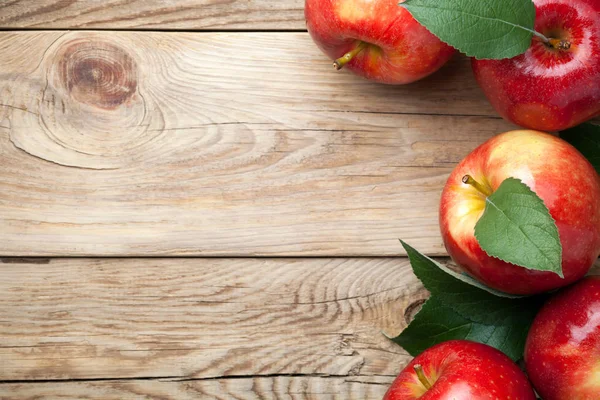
(18, 108)
(20, 148)
(176, 378)
(24, 260)
(68, 380)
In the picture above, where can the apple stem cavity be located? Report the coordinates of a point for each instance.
(558, 44)
(421, 375)
(346, 58)
(468, 180)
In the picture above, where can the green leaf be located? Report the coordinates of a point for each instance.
(433, 276)
(517, 227)
(477, 303)
(479, 28)
(467, 297)
(586, 139)
(437, 323)
(458, 309)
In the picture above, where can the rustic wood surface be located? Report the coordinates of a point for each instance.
(283, 387)
(153, 14)
(208, 328)
(146, 143)
(129, 143)
(231, 324)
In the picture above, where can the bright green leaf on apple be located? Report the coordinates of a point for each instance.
(484, 29)
(465, 295)
(586, 139)
(434, 277)
(461, 308)
(470, 299)
(517, 227)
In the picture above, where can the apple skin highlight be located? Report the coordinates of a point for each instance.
(560, 176)
(562, 354)
(550, 89)
(398, 49)
(461, 370)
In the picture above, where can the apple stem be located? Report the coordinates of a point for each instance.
(558, 44)
(421, 375)
(468, 180)
(345, 59)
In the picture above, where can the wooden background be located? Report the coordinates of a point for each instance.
(194, 204)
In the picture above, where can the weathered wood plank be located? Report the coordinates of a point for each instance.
(203, 318)
(220, 144)
(256, 328)
(153, 14)
(297, 388)
(280, 324)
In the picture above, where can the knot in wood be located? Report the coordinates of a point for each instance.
(98, 73)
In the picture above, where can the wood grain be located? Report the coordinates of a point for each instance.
(91, 319)
(297, 388)
(153, 14)
(123, 143)
(208, 328)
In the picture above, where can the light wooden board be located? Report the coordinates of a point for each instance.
(91, 319)
(221, 144)
(297, 388)
(183, 328)
(153, 14)
(283, 387)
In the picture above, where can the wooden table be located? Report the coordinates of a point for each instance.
(194, 204)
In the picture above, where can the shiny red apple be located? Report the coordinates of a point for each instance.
(376, 39)
(461, 370)
(556, 83)
(558, 174)
(562, 354)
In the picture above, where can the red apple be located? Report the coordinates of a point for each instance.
(461, 370)
(376, 39)
(562, 354)
(560, 176)
(556, 84)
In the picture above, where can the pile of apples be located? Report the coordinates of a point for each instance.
(553, 86)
